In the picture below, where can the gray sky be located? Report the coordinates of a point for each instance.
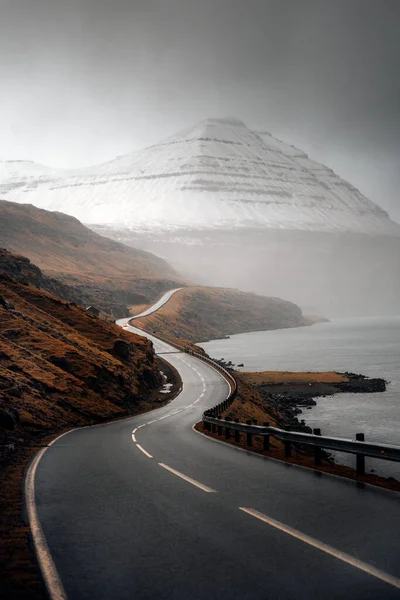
(82, 81)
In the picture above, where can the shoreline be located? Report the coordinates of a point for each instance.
(274, 397)
(292, 399)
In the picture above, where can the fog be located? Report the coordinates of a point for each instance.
(326, 274)
(85, 80)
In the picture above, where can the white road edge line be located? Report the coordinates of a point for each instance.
(188, 479)
(144, 451)
(49, 572)
(354, 562)
(134, 438)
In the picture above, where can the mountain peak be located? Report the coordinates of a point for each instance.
(216, 174)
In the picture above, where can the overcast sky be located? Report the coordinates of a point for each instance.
(82, 81)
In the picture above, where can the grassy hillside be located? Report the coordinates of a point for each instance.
(199, 313)
(61, 367)
(96, 266)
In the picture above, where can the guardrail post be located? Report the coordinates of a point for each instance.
(317, 449)
(249, 436)
(227, 430)
(266, 438)
(219, 427)
(213, 427)
(207, 426)
(360, 458)
(237, 432)
(288, 446)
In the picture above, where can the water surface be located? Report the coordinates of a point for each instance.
(370, 346)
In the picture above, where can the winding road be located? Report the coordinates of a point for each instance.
(146, 508)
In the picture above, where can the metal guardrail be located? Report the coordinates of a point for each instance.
(358, 447)
(213, 422)
(231, 380)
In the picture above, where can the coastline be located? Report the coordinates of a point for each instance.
(360, 345)
(291, 394)
(273, 398)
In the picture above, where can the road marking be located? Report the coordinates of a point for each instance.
(144, 451)
(52, 580)
(354, 562)
(133, 438)
(188, 479)
(150, 422)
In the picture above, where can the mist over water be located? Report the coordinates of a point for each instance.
(369, 346)
(324, 273)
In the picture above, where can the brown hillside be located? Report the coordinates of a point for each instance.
(65, 249)
(61, 367)
(202, 313)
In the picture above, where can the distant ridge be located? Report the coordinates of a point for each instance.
(101, 271)
(216, 174)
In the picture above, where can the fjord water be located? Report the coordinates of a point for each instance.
(370, 346)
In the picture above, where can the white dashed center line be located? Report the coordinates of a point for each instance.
(354, 562)
(201, 486)
(144, 451)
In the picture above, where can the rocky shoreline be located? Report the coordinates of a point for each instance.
(286, 397)
(289, 400)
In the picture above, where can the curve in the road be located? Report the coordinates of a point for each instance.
(144, 508)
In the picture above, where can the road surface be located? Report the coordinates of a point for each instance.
(146, 508)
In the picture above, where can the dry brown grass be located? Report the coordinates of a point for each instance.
(135, 309)
(203, 313)
(266, 377)
(60, 368)
(61, 245)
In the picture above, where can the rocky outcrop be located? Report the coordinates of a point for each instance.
(289, 400)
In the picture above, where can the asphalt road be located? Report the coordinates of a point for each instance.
(158, 514)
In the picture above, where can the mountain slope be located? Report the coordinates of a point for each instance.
(59, 366)
(200, 313)
(215, 174)
(101, 270)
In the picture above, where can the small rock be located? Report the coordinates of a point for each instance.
(7, 420)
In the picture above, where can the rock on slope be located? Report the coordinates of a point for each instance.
(61, 367)
(100, 270)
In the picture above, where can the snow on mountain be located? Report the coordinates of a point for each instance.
(217, 174)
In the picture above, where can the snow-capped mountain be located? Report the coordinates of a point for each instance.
(25, 174)
(218, 174)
